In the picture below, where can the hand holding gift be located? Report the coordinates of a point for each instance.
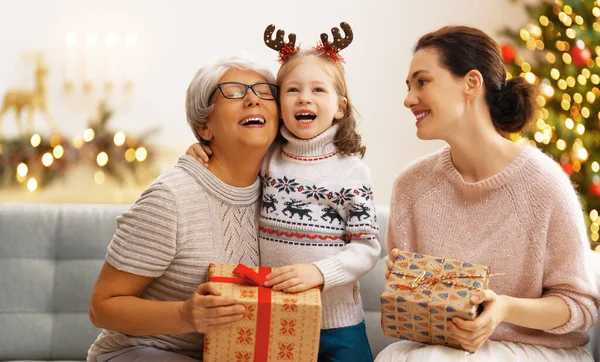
(295, 278)
(437, 301)
(206, 310)
(390, 262)
(473, 334)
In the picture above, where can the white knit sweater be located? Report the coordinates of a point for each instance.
(318, 208)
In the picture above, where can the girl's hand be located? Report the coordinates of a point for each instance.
(473, 334)
(295, 278)
(200, 153)
(390, 262)
(207, 310)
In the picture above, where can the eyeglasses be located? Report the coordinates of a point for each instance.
(236, 90)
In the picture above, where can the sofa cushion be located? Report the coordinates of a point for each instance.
(26, 335)
(73, 283)
(27, 285)
(50, 256)
(72, 335)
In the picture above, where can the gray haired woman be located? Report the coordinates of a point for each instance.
(152, 298)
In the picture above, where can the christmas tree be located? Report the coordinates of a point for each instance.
(559, 51)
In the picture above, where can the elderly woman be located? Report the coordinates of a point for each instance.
(152, 298)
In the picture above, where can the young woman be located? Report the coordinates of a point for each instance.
(486, 200)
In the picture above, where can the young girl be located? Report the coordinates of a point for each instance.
(495, 203)
(318, 225)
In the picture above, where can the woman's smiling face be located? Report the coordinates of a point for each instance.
(249, 121)
(435, 96)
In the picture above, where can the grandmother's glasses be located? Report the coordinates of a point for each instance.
(236, 90)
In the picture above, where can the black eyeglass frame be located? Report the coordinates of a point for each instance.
(274, 90)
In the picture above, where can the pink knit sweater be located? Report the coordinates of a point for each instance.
(525, 221)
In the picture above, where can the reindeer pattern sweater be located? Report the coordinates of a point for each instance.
(318, 208)
(525, 222)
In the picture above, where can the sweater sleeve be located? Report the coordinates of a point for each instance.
(391, 241)
(568, 272)
(390, 235)
(145, 240)
(362, 249)
(400, 233)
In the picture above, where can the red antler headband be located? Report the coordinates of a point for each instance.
(329, 49)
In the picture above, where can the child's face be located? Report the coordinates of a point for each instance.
(309, 102)
(435, 96)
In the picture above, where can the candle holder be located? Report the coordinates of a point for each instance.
(91, 64)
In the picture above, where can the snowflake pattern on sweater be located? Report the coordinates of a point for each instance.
(298, 202)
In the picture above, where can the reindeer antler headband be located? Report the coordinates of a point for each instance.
(330, 49)
(285, 50)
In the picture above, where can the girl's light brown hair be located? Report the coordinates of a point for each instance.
(347, 140)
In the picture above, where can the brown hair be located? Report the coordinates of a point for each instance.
(347, 140)
(461, 49)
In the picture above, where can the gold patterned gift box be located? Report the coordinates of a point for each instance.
(424, 292)
(276, 326)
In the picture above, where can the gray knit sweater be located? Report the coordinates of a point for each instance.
(318, 208)
(185, 220)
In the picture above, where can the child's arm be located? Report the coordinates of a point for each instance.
(200, 153)
(355, 259)
(295, 278)
(362, 250)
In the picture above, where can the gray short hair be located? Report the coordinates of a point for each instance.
(205, 81)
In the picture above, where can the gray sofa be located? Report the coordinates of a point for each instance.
(50, 256)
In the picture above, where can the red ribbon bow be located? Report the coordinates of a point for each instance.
(250, 275)
(247, 276)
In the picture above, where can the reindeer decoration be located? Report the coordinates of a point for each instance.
(329, 212)
(285, 50)
(269, 202)
(288, 49)
(296, 207)
(32, 100)
(358, 211)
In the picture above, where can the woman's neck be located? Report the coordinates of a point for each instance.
(479, 151)
(238, 169)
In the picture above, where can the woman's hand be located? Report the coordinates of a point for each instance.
(207, 310)
(473, 334)
(200, 153)
(295, 278)
(390, 262)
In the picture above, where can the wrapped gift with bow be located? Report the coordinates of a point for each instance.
(424, 292)
(277, 326)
